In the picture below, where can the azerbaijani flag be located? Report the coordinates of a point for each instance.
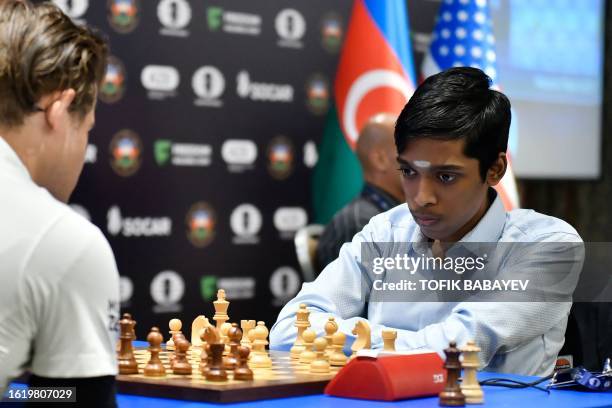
(375, 74)
(463, 36)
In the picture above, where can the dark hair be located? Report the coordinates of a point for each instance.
(458, 104)
(43, 51)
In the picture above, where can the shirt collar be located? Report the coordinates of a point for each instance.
(8, 155)
(379, 197)
(488, 229)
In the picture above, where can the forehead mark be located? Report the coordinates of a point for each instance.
(422, 164)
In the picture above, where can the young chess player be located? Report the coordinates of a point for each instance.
(59, 286)
(451, 140)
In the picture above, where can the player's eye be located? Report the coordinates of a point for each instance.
(407, 171)
(447, 177)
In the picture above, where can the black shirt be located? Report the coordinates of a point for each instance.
(350, 220)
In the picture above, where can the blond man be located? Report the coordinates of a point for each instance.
(59, 296)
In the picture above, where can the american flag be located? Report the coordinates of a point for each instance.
(463, 37)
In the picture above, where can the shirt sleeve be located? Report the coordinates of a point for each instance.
(339, 291)
(73, 289)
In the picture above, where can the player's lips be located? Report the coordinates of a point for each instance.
(425, 220)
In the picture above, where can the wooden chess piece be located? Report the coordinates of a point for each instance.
(338, 358)
(234, 335)
(220, 306)
(215, 371)
(242, 371)
(252, 342)
(260, 358)
(452, 396)
(181, 365)
(177, 337)
(204, 353)
(246, 325)
(330, 327)
(388, 337)
(320, 364)
(175, 326)
(364, 338)
(307, 356)
(154, 367)
(199, 324)
(127, 361)
(302, 323)
(470, 386)
(224, 338)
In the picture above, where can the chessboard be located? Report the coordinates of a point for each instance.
(286, 378)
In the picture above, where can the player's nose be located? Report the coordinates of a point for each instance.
(425, 193)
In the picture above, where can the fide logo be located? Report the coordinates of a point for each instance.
(284, 284)
(125, 152)
(280, 158)
(73, 8)
(317, 94)
(208, 84)
(174, 15)
(113, 83)
(290, 27)
(245, 222)
(331, 33)
(123, 15)
(311, 156)
(200, 221)
(167, 290)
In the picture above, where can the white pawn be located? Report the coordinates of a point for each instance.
(320, 364)
(389, 336)
(307, 356)
(175, 326)
(260, 358)
(338, 358)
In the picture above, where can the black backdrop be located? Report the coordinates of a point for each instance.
(192, 90)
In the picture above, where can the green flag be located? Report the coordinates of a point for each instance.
(337, 176)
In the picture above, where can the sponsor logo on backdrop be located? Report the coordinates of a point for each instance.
(113, 83)
(208, 84)
(123, 15)
(125, 152)
(201, 223)
(167, 290)
(317, 94)
(233, 22)
(288, 220)
(174, 15)
(311, 156)
(245, 222)
(332, 32)
(82, 211)
(75, 9)
(262, 91)
(182, 154)
(280, 158)
(239, 154)
(284, 284)
(238, 288)
(117, 224)
(160, 81)
(91, 154)
(126, 290)
(290, 27)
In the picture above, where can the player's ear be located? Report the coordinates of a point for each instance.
(57, 112)
(379, 159)
(497, 169)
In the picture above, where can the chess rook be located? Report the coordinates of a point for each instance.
(125, 358)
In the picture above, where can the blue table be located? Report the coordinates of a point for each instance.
(494, 397)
